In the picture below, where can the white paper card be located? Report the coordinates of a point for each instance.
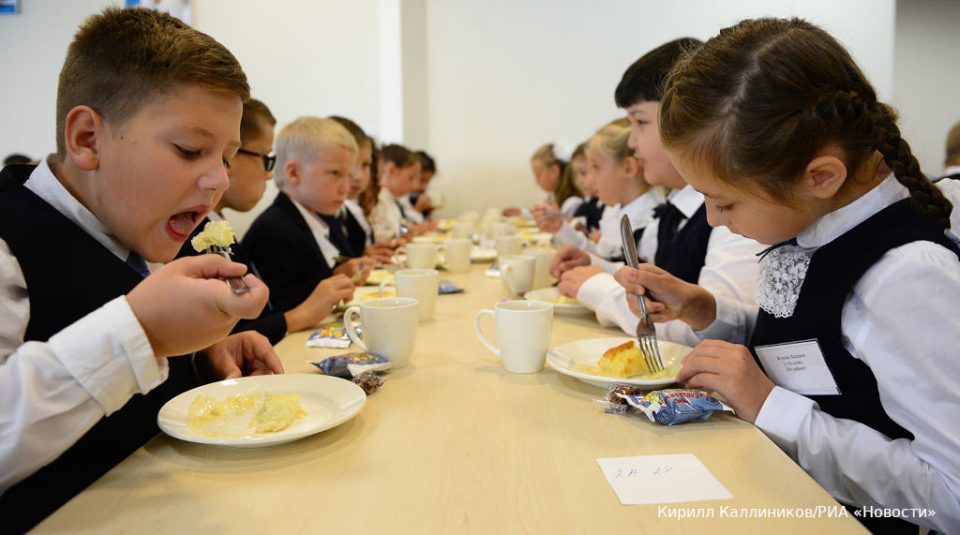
(798, 367)
(651, 479)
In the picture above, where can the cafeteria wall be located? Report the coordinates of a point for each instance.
(482, 84)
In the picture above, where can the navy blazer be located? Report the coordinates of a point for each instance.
(283, 248)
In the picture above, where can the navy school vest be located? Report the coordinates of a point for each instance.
(355, 233)
(684, 255)
(834, 271)
(69, 274)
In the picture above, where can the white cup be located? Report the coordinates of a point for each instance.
(421, 255)
(516, 274)
(456, 255)
(389, 327)
(508, 245)
(523, 330)
(461, 230)
(419, 284)
(541, 269)
(496, 230)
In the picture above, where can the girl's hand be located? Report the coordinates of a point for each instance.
(729, 370)
(567, 257)
(548, 217)
(670, 298)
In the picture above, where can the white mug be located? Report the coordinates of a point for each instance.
(389, 327)
(419, 284)
(497, 229)
(456, 255)
(523, 330)
(516, 274)
(421, 255)
(541, 269)
(509, 245)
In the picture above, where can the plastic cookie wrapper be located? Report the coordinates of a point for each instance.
(676, 406)
(447, 287)
(216, 238)
(614, 402)
(350, 365)
(332, 335)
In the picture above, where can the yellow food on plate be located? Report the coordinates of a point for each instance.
(215, 234)
(376, 295)
(379, 275)
(563, 300)
(242, 415)
(624, 360)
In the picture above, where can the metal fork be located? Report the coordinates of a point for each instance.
(646, 333)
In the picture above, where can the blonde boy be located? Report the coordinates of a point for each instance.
(293, 242)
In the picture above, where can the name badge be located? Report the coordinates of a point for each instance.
(798, 367)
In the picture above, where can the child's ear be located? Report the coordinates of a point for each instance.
(631, 166)
(291, 172)
(82, 131)
(389, 169)
(824, 176)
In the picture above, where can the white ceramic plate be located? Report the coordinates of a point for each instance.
(552, 295)
(328, 401)
(482, 255)
(564, 358)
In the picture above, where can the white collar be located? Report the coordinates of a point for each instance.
(833, 225)
(45, 185)
(951, 170)
(687, 200)
(317, 225)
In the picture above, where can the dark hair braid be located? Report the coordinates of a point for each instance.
(897, 154)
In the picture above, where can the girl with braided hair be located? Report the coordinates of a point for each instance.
(852, 364)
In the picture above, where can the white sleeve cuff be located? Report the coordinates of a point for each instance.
(728, 324)
(781, 417)
(597, 289)
(108, 353)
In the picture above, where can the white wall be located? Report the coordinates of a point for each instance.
(507, 76)
(927, 67)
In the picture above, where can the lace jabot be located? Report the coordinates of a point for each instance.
(782, 271)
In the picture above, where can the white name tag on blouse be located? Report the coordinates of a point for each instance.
(798, 367)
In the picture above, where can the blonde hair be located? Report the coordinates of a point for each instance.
(953, 146)
(566, 183)
(304, 138)
(611, 141)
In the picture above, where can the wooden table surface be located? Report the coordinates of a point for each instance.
(453, 444)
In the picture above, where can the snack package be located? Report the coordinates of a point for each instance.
(332, 335)
(369, 382)
(676, 405)
(447, 287)
(350, 365)
(615, 401)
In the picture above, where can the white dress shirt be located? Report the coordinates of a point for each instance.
(412, 214)
(902, 319)
(570, 206)
(386, 217)
(729, 271)
(951, 190)
(321, 234)
(52, 393)
(357, 211)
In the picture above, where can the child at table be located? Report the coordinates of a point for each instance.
(401, 168)
(148, 112)
(551, 169)
(297, 242)
(774, 122)
(679, 241)
(352, 215)
(587, 216)
(249, 172)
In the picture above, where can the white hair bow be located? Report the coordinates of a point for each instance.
(563, 151)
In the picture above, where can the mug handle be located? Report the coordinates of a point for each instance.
(476, 327)
(505, 275)
(348, 318)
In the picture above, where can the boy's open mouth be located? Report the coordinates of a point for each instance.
(180, 225)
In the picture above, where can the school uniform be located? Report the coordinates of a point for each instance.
(608, 250)
(952, 172)
(387, 216)
(357, 227)
(949, 185)
(409, 212)
(77, 365)
(570, 206)
(878, 287)
(589, 213)
(270, 323)
(292, 251)
(687, 247)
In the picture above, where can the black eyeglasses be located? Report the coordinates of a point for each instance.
(268, 159)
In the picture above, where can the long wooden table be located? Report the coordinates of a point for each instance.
(452, 444)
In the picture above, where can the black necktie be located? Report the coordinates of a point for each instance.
(774, 247)
(670, 217)
(403, 213)
(135, 261)
(337, 236)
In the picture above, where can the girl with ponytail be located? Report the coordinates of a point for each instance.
(851, 360)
